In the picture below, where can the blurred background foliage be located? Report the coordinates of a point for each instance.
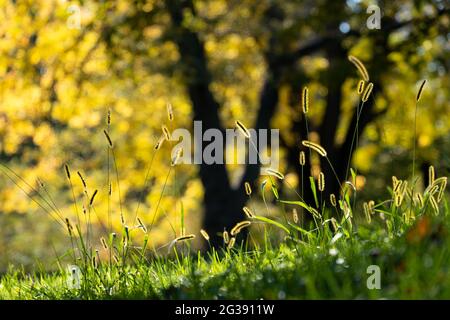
(59, 79)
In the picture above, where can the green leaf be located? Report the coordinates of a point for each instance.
(272, 222)
(313, 189)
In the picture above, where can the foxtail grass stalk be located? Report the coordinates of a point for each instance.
(419, 94)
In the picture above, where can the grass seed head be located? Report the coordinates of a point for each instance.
(226, 237)
(295, 215)
(160, 142)
(104, 244)
(69, 227)
(275, 173)
(321, 184)
(185, 238)
(239, 226)
(333, 200)
(169, 111)
(371, 206)
(398, 199)
(431, 175)
(442, 183)
(434, 204)
(361, 84)
(419, 93)
(142, 225)
(204, 234)
(334, 224)
(231, 243)
(243, 129)
(166, 133)
(66, 168)
(82, 180)
(108, 138)
(248, 212)
(248, 188)
(177, 156)
(367, 212)
(91, 202)
(419, 200)
(302, 158)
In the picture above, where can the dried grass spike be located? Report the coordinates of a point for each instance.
(321, 184)
(169, 111)
(243, 129)
(231, 243)
(108, 138)
(398, 200)
(248, 188)
(361, 84)
(226, 237)
(367, 92)
(371, 206)
(434, 205)
(248, 212)
(91, 202)
(419, 93)
(295, 215)
(316, 147)
(177, 156)
(334, 224)
(66, 168)
(443, 185)
(166, 133)
(204, 234)
(305, 100)
(419, 200)
(302, 158)
(239, 226)
(104, 244)
(367, 212)
(69, 227)
(333, 200)
(142, 225)
(395, 181)
(82, 180)
(275, 173)
(431, 175)
(159, 143)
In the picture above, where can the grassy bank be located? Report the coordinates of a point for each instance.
(414, 263)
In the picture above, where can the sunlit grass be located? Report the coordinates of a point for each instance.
(324, 254)
(413, 265)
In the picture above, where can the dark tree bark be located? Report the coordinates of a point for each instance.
(222, 203)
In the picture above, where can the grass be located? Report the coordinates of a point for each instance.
(330, 255)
